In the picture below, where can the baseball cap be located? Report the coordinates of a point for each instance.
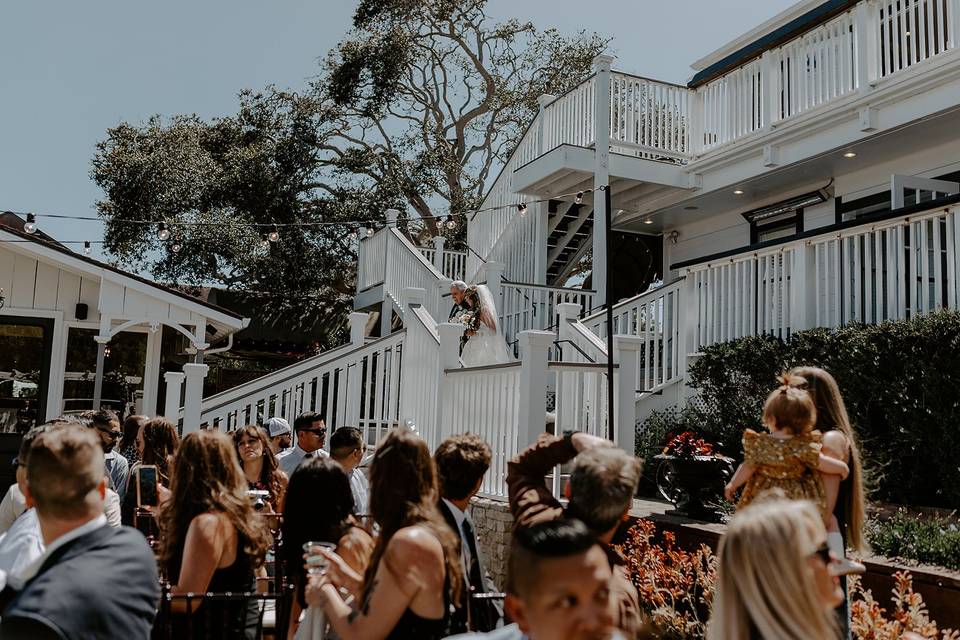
(277, 427)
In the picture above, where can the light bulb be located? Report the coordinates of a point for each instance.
(370, 232)
(265, 241)
(86, 247)
(175, 247)
(163, 232)
(451, 223)
(31, 225)
(579, 198)
(274, 234)
(522, 209)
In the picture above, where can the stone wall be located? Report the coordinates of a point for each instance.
(493, 525)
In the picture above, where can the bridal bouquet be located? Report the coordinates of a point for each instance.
(470, 319)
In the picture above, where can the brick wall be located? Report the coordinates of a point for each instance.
(493, 525)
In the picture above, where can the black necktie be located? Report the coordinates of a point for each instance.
(476, 573)
(309, 455)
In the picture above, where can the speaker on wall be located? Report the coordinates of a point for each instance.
(81, 311)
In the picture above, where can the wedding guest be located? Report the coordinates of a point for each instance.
(93, 581)
(259, 465)
(414, 573)
(558, 585)
(775, 579)
(108, 431)
(128, 441)
(845, 497)
(462, 461)
(156, 444)
(603, 482)
(281, 437)
(303, 522)
(311, 430)
(13, 503)
(211, 537)
(347, 447)
(23, 542)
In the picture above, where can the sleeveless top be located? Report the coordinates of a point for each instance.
(410, 626)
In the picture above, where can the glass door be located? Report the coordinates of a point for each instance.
(25, 349)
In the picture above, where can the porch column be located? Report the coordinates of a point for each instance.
(151, 370)
(566, 313)
(601, 174)
(358, 328)
(193, 396)
(534, 347)
(627, 350)
(174, 381)
(438, 242)
(493, 274)
(102, 342)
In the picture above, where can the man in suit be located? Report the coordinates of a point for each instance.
(93, 581)
(462, 461)
(347, 447)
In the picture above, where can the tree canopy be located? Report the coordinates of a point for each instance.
(414, 109)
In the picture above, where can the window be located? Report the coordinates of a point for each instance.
(123, 365)
(781, 226)
(25, 346)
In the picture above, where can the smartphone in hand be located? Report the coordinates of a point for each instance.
(147, 480)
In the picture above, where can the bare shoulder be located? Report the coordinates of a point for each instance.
(211, 527)
(414, 544)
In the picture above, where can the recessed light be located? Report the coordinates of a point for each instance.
(738, 192)
(850, 154)
(648, 220)
(691, 208)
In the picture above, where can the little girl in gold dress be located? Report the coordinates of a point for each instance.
(788, 458)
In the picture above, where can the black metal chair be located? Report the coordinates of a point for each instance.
(218, 614)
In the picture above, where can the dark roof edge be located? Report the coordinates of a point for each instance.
(775, 38)
(59, 248)
(878, 216)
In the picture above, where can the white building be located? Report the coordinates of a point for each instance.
(806, 176)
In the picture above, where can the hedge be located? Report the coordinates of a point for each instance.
(900, 381)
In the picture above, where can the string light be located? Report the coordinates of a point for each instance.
(274, 234)
(265, 241)
(86, 247)
(579, 198)
(370, 232)
(451, 223)
(31, 224)
(522, 209)
(163, 232)
(175, 247)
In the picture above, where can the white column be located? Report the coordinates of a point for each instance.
(358, 328)
(438, 242)
(770, 92)
(689, 312)
(567, 312)
(102, 342)
(193, 395)
(542, 101)
(449, 334)
(866, 25)
(534, 347)
(493, 274)
(601, 174)
(361, 267)
(151, 370)
(542, 211)
(802, 301)
(443, 289)
(174, 382)
(391, 215)
(626, 350)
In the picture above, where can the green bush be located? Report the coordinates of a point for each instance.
(900, 381)
(903, 536)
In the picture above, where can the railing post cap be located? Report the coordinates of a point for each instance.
(392, 215)
(627, 343)
(413, 295)
(602, 62)
(173, 376)
(439, 241)
(534, 339)
(568, 309)
(544, 99)
(195, 370)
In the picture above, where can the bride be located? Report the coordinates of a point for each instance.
(484, 343)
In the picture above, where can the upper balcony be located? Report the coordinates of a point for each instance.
(878, 68)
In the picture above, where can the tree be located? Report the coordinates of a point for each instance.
(413, 110)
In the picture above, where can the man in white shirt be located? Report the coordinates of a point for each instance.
(311, 430)
(462, 461)
(347, 448)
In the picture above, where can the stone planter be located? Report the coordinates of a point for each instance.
(695, 480)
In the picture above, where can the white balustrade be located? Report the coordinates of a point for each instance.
(454, 262)
(730, 107)
(421, 377)
(912, 31)
(569, 118)
(408, 268)
(529, 306)
(582, 399)
(373, 260)
(648, 118)
(653, 316)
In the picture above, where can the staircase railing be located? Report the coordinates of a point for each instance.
(532, 306)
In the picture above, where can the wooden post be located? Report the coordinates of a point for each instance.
(542, 101)
(151, 370)
(534, 347)
(193, 395)
(102, 342)
(867, 27)
(174, 382)
(493, 272)
(449, 334)
(601, 173)
(567, 312)
(627, 349)
(438, 242)
(358, 327)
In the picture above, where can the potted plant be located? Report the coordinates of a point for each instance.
(693, 473)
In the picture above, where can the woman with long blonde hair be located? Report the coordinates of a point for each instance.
(775, 579)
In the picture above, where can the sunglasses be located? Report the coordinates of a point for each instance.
(319, 432)
(113, 434)
(823, 552)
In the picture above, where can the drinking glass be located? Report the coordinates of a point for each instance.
(317, 563)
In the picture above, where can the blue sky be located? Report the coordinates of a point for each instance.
(71, 69)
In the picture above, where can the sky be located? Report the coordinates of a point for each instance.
(69, 70)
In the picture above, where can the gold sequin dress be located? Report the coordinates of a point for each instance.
(788, 464)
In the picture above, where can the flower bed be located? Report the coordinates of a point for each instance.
(934, 541)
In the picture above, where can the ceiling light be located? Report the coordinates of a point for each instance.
(738, 192)
(691, 208)
(850, 154)
(648, 220)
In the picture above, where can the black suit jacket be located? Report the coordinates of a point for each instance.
(100, 585)
(484, 614)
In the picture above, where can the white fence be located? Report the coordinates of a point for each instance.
(913, 30)
(452, 264)
(530, 306)
(406, 268)
(570, 118)
(373, 260)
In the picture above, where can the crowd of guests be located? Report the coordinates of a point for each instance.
(383, 545)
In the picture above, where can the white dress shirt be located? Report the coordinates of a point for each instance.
(360, 488)
(460, 517)
(20, 546)
(290, 459)
(11, 507)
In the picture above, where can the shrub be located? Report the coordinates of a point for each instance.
(902, 536)
(899, 381)
(870, 621)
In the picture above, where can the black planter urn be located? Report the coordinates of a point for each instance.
(694, 480)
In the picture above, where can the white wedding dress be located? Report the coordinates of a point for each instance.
(486, 346)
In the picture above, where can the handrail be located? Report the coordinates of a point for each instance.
(486, 367)
(647, 79)
(629, 301)
(546, 287)
(569, 91)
